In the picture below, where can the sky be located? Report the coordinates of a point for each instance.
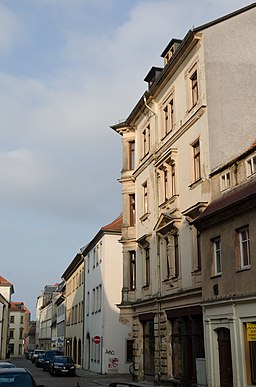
(69, 69)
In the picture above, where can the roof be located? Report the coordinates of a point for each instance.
(4, 282)
(115, 227)
(189, 39)
(18, 307)
(228, 201)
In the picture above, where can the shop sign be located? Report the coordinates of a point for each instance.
(251, 331)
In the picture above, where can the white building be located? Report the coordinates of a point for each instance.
(112, 353)
(46, 318)
(197, 114)
(6, 292)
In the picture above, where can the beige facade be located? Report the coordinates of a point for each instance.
(18, 328)
(189, 122)
(4, 325)
(74, 277)
(227, 229)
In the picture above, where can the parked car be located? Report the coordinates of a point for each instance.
(17, 377)
(28, 354)
(39, 362)
(36, 353)
(123, 384)
(6, 364)
(62, 365)
(49, 355)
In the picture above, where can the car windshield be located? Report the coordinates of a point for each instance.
(6, 365)
(16, 380)
(63, 359)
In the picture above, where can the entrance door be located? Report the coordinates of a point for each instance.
(225, 358)
(149, 347)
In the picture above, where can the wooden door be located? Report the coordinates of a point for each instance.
(225, 358)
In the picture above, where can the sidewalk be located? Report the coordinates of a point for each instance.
(105, 380)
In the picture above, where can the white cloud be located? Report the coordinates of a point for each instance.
(10, 30)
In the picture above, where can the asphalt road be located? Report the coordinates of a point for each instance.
(83, 378)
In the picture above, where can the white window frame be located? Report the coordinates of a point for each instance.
(168, 114)
(251, 165)
(225, 180)
(244, 242)
(196, 162)
(145, 197)
(217, 256)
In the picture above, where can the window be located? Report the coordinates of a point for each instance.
(11, 334)
(132, 270)
(145, 197)
(243, 248)
(251, 166)
(147, 267)
(216, 256)
(194, 88)
(132, 209)
(21, 333)
(12, 319)
(167, 178)
(88, 304)
(196, 160)
(21, 319)
(176, 255)
(146, 141)
(131, 154)
(225, 181)
(93, 301)
(88, 263)
(170, 256)
(129, 351)
(168, 117)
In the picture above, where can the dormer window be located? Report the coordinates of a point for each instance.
(170, 50)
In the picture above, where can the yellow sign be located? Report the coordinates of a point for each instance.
(251, 331)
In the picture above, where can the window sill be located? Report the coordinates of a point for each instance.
(216, 275)
(195, 183)
(243, 269)
(145, 287)
(144, 217)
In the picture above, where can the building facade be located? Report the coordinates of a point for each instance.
(46, 318)
(74, 278)
(107, 342)
(180, 131)
(18, 328)
(6, 292)
(227, 228)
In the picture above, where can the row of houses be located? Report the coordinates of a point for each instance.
(170, 284)
(14, 322)
(80, 316)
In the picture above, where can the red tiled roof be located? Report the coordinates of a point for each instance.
(18, 307)
(3, 281)
(116, 225)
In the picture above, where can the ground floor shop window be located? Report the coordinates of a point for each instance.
(250, 351)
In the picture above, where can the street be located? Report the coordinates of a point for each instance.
(83, 378)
